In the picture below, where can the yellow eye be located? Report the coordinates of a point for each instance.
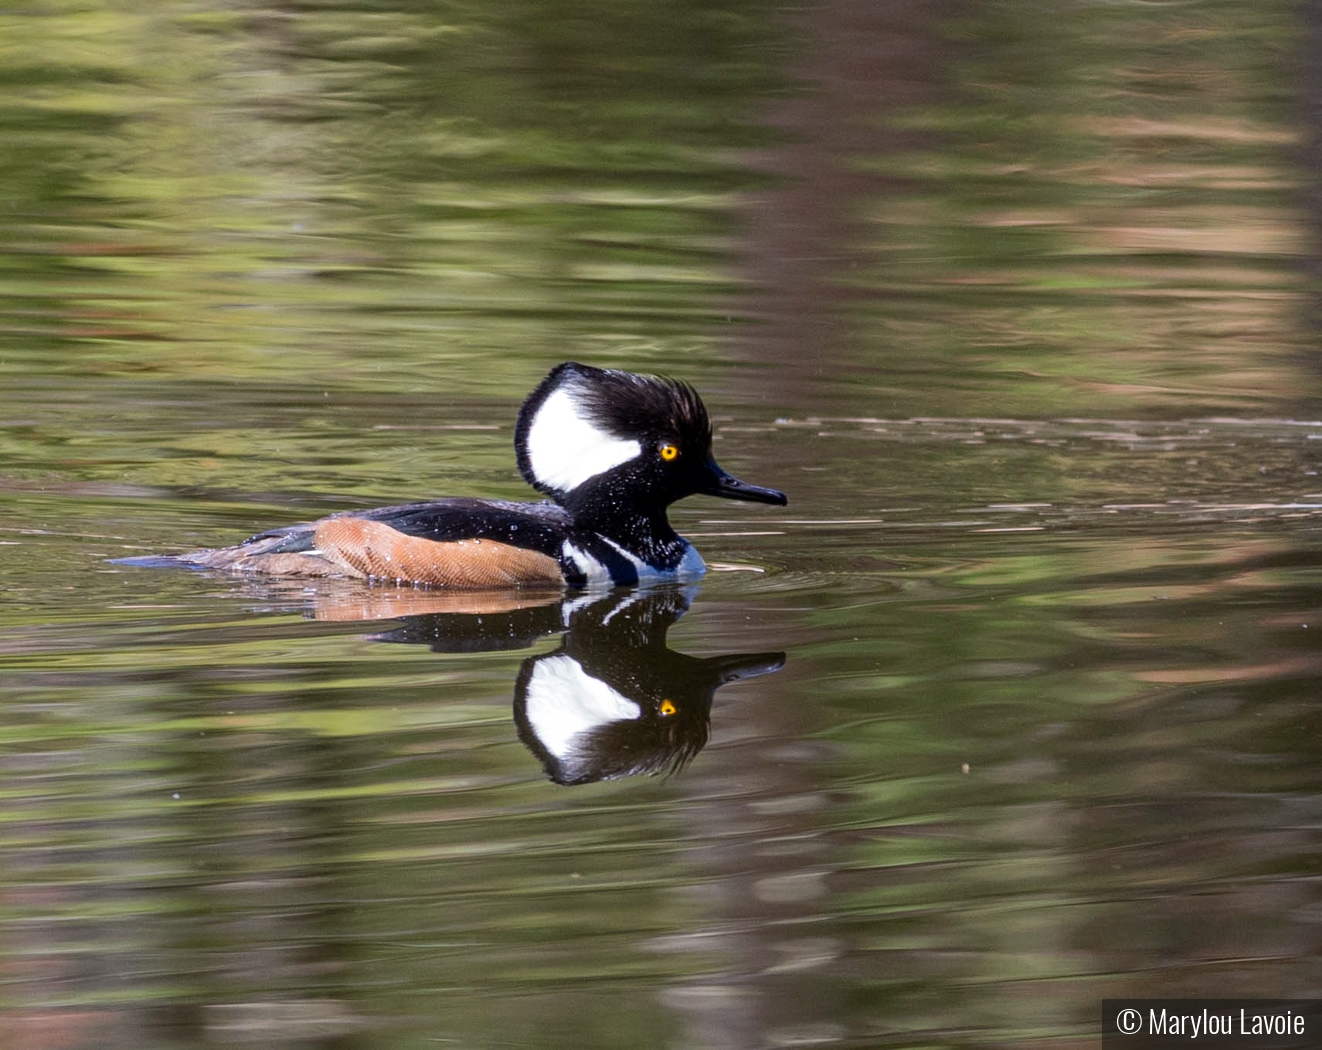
(667, 708)
(669, 452)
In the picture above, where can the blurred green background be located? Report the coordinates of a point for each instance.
(1017, 300)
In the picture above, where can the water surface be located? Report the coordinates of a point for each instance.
(1015, 305)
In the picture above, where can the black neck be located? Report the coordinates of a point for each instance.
(647, 536)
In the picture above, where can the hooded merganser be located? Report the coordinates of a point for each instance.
(614, 700)
(612, 449)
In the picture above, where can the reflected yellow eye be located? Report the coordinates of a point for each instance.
(667, 708)
(669, 452)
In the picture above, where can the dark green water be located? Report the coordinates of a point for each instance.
(1014, 301)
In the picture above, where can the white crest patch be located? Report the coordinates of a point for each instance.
(564, 702)
(565, 448)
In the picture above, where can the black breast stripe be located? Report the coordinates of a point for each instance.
(623, 572)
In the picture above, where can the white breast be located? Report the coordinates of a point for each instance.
(690, 567)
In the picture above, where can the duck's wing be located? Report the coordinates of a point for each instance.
(461, 543)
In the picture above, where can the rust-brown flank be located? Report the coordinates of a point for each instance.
(373, 548)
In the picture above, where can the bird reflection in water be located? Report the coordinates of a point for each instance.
(614, 700)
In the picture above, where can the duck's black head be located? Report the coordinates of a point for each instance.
(593, 433)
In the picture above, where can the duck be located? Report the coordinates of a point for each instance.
(611, 450)
(613, 699)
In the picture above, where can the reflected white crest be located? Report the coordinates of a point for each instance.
(563, 703)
